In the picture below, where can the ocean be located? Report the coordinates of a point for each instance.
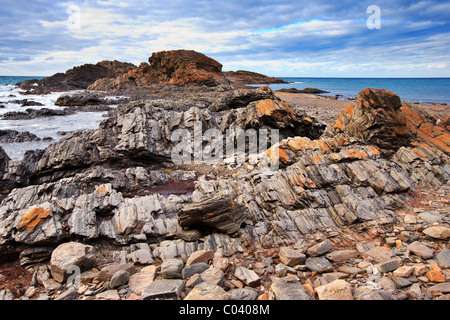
(42, 127)
(420, 90)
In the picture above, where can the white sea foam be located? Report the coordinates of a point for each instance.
(42, 127)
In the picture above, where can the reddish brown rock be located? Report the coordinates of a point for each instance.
(179, 67)
(376, 119)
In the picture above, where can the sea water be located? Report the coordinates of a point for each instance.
(416, 90)
(43, 127)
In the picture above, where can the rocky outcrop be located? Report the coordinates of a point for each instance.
(78, 77)
(248, 77)
(13, 136)
(376, 119)
(104, 186)
(177, 67)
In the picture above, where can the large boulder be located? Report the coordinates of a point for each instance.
(68, 256)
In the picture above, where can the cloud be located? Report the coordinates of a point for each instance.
(277, 37)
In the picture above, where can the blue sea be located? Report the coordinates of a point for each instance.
(421, 90)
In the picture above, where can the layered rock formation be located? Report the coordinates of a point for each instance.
(344, 187)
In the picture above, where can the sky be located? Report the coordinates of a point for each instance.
(277, 38)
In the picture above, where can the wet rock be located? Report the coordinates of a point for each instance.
(13, 136)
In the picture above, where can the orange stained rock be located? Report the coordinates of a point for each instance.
(269, 107)
(33, 218)
(435, 276)
(355, 154)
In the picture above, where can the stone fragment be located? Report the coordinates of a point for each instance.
(319, 249)
(443, 258)
(430, 217)
(438, 232)
(379, 254)
(213, 275)
(421, 250)
(336, 290)
(139, 281)
(67, 257)
(342, 255)
(318, 264)
(404, 271)
(172, 268)
(291, 257)
(107, 272)
(388, 265)
(120, 278)
(248, 276)
(70, 294)
(243, 294)
(195, 268)
(200, 256)
(163, 289)
(108, 295)
(207, 291)
(440, 288)
(284, 290)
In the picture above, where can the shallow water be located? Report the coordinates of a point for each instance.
(42, 127)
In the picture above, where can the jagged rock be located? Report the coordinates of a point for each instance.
(78, 77)
(180, 67)
(249, 277)
(218, 213)
(376, 119)
(247, 77)
(13, 136)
